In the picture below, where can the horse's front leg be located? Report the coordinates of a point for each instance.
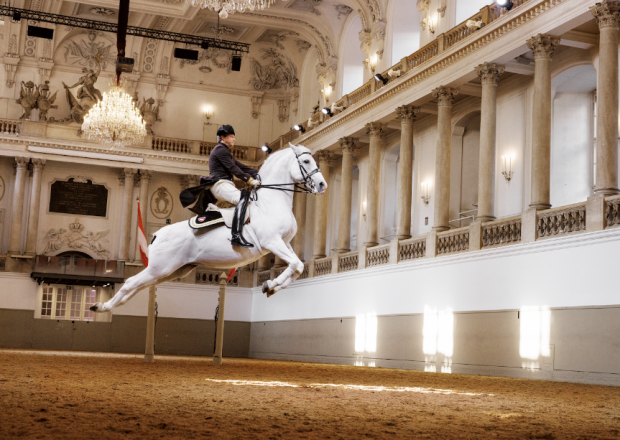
(294, 269)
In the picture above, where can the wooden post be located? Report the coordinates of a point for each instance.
(149, 354)
(219, 341)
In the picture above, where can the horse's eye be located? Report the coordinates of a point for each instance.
(306, 161)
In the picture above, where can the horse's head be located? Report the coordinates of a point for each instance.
(305, 170)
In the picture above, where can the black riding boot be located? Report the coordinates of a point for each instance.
(239, 220)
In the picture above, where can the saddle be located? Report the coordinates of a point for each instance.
(215, 216)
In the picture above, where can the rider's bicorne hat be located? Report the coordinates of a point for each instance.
(225, 130)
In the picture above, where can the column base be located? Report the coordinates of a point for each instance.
(606, 191)
(485, 218)
(540, 206)
(316, 257)
(370, 244)
(342, 251)
(402, 237)
(440, 228)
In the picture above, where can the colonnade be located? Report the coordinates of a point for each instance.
(543, 47)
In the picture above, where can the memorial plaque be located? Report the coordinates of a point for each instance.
(79, 197)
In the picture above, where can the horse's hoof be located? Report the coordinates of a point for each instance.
(266, 287)
(94, 307)
(271, 292)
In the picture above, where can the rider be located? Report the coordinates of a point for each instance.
(222, 167)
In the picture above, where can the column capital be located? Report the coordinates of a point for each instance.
(324, 155)
(606, 13)
(407, 113)
(445, 95)
(21, 163)
(489, 73)
(127, 174)
(189, 180)
(348, 144)
(145, 175)
(543, 45)
(376, 129)
(38, 164)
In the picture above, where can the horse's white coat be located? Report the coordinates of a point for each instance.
(177, 249)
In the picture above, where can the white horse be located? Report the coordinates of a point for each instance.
(177, 249)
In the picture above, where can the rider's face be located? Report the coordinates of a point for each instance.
(228, 140)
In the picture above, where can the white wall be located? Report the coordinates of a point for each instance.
(403, 30)
(353, 57)
(467, 8)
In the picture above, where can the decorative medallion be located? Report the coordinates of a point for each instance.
(103, 12)
(161, 203)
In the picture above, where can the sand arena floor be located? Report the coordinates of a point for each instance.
(82, 395)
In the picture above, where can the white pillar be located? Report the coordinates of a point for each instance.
(376, 130)
(128, 174)
(35, 206)
(348, 145)
(406, 114)
(21, 167)
(320, 211)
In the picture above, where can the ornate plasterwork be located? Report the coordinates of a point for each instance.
(149, 55)
(543, 46)
(102, 12)
(343, 10)
(76, 238)
(276, 37)
(279, 72)
(306, 5)
(606, 13)
(222, 59)
(84, 52)
(303, 45)
(161, 203)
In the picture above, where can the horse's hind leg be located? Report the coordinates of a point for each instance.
(179, 273)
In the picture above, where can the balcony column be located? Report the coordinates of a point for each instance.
(348, 145)
(376, 131)
(299, 211)
(145, 177)
(406, 114)
(21, 166)
(35, 206)
(320, 211)
(542, 47)
(489, 74)
(128, 175)
(445, 99)
(607, 14)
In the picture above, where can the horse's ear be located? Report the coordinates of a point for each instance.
(294, 148)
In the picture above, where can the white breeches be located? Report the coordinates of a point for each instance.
(226, 191)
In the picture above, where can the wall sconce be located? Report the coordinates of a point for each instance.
(431, 23)
(507, 167)
(364, 209)
(372, 63)
(426, 195)
(208, 113)
(327, 91)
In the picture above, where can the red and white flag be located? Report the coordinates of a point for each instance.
(144, 247)
(231, 272)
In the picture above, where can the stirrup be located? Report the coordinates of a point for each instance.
(238, 240)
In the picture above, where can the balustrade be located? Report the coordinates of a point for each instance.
(612, 210)
(263, 276)
(323, 266)
(305, 273)
(501, 232)
(561, 221)
(171, 145)
(348, 262)
(452, 241)
(238, 152)
(277, 272)
(8, 126)
(213, 277)
(423, 55)
(378, 255)
(412, 248)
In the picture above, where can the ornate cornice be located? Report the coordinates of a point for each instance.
(375, 129)
(486, 36)
(606, 13)
(543, 46)
(445, 96)
(489, 73)
(348, 144)
(407, 113)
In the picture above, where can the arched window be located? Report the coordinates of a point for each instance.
(353, 58)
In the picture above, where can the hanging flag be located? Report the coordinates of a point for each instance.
(144, 247)
(231, 272)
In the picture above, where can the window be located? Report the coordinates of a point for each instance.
(70, 303)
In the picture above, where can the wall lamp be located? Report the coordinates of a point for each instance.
(507, 167)
(426, 195)
(364, 209)
(299, 127)
(266, 149)
(506, 4)
(431, 23)
(207, 111)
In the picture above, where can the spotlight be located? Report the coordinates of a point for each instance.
(236, 63)
(204, 45)
(186, 54)
(299, 127)
(506, 4)
(17, 16)
(381, 78)
(394, 73)
(327, 111)
(40, 32)
(337, 108)
(124, 64)
(266, 149)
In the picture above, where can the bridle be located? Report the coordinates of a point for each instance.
(307, 187)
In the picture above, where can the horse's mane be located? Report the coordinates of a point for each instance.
(275, 157)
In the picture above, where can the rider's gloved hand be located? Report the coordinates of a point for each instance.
(253, 182)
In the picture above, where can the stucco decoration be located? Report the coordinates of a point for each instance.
(279, 73)
(306, 5)
(150, 113)
(103, 12)
(76, 238)
(28, 96)
(277, 37)
(89, 52)
(343, 10)
(209, 58)
(303, 45)
(161, 203)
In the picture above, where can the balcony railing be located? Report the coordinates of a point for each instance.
(171, 145)
(212, 276)
(348, 262)
(501, 232)
(561, 221)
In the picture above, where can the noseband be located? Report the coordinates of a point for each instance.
(308, 184)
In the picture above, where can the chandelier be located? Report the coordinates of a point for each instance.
(115, 121)
(225, 7)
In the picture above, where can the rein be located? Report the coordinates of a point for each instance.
(308, 185)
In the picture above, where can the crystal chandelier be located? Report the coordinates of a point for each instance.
(115, 121)
(225, 7)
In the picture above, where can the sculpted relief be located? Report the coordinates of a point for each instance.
(278, 72)
(90, 53)
(76, 238)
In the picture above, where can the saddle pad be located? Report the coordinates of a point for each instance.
(209, 218)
